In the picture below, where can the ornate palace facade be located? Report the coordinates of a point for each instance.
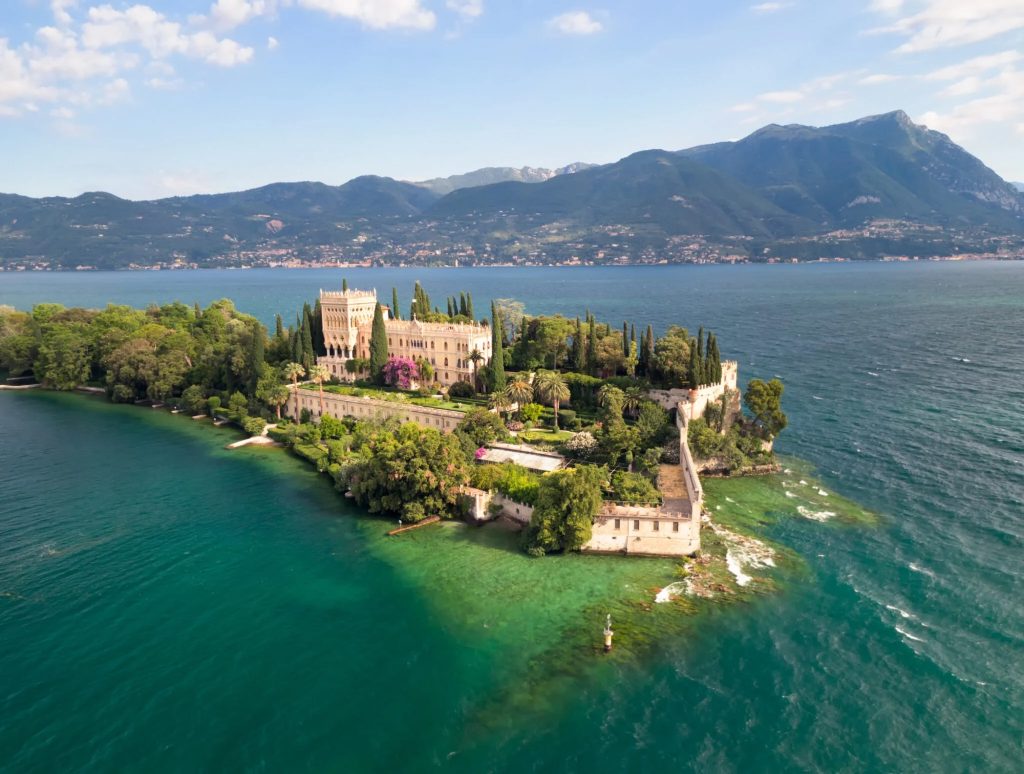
(348, 320)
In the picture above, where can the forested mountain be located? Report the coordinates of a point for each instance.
(488, 175)
(883, 184)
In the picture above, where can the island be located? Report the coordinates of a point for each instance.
(586, 436)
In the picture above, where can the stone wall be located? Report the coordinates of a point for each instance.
(694, 402)
(643, 531)
(516, 511)
(339, 406)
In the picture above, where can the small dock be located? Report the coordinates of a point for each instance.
(417, 525)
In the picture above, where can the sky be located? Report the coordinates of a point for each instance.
(167, 97)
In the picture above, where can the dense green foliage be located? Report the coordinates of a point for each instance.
(764, 400)
(563, 516)
(514, 481)
(412, 472)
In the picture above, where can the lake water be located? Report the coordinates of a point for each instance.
(168, 605)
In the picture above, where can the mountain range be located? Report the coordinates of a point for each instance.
(871, 188)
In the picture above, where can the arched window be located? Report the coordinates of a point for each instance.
(446, 364)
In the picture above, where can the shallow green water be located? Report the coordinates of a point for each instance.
(166, 604)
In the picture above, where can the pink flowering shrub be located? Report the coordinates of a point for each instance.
(401, 372)
(480, 453)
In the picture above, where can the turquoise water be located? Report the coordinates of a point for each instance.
(168, 605)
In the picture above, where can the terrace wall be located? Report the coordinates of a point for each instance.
(339, 406)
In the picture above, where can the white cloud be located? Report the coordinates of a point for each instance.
(60, 11)
(877, 78)
(467, 9)
(976, 66)
(226, 15)
(935, 24)
(1003, 104)
(764, 8)
(160, 37)
(781, 97)
(744, 107)
(377, 14)
(272, 43)
(575, 23)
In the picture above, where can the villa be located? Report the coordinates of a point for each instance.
(448, 347)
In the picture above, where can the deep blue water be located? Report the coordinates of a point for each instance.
(902, 649)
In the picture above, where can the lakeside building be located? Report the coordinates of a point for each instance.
(348, 321)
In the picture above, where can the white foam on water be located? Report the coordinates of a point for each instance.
(736, 568)
(872, 373)
(802, 482)
(807, 513)
(817, 398)
(908, 635)
(671, 591)
(903, 613)
(922, 570)
(823, 493)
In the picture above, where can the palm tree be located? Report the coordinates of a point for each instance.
(520, 391)
(500, 401)
(320, 374)
(632, 399)
(294, 372)
(475, 357)
(552, 389)
(607, 394)
(278, 397)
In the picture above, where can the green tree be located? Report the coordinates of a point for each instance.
(577, 357)
(396, 312)
(481, 427)
(563, 517)
(293, 372)
(520, 391)
(498, 379)
(671, 357)
(646, 362)
(320, 374)
(412, 472)
(693, 370)
(551, 389)
(272, 392)
(591, 345)
(378, 345)
(764, 401)
(64, 360)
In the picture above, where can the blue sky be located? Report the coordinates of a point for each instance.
(163, 97)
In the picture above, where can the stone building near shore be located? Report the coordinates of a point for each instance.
(348, 321)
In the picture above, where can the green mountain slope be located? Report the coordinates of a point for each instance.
(878, 167)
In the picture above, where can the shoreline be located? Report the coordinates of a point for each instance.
(979, 258)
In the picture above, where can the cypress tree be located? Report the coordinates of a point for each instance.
(497, 350)
(694, 370)
(307, 343)
(278, 327)
(461, 308)
(577, 347)
(716, 361)
(708, 366)
(378, 345)
(198, 311)
(344, 285)
(625, 339)
(592, 347)
(700, 343)
(469, 307)
(451, 307)
(395, 311)
(647, 352)
(296, 346)
(632, 333)
(318, 330)
(258, 357)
